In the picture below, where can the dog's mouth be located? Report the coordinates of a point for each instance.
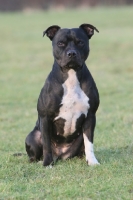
(73, 65)
(65, 65)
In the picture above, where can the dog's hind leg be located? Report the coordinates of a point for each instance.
(33, 145)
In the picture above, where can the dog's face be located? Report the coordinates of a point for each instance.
(70, 46)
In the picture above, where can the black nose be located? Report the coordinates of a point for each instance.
(71, 53)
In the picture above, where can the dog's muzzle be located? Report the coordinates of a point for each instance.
(74, 61)
(72, 54)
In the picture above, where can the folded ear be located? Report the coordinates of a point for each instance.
(51, 31)
(89, 29)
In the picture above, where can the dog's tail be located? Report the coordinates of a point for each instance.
(19, 154)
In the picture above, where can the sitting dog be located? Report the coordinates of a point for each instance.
(68, 101)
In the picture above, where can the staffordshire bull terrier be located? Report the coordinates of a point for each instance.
(68, 101)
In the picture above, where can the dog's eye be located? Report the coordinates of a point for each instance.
(61, 44)
(80, 43)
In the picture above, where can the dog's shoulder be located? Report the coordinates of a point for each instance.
(50, 95)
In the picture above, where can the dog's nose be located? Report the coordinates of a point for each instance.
(71, 53)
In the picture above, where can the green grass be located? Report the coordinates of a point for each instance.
(25, 60)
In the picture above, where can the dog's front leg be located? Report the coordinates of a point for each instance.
(45, 131)
(88, 134)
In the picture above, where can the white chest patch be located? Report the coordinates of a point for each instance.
(74, 103)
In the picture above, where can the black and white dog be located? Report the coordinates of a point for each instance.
(68, 101)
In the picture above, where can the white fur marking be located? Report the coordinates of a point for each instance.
(74, 103)
(90, 157)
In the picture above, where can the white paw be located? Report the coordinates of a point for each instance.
(91, 160)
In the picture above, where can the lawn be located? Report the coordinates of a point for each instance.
(25, 60)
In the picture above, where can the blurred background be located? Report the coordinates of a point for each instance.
(15, 5)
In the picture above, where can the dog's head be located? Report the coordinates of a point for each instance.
(70, 46)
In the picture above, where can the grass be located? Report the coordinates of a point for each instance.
(25, 60)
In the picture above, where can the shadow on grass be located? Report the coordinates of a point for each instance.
(121, 154)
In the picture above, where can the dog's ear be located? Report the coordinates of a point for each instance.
(89, 29)
(51, 31)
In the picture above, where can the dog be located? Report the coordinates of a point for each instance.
(68, 101)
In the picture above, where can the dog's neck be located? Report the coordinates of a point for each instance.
(61, 73)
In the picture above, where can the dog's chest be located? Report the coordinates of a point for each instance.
(74, 103)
